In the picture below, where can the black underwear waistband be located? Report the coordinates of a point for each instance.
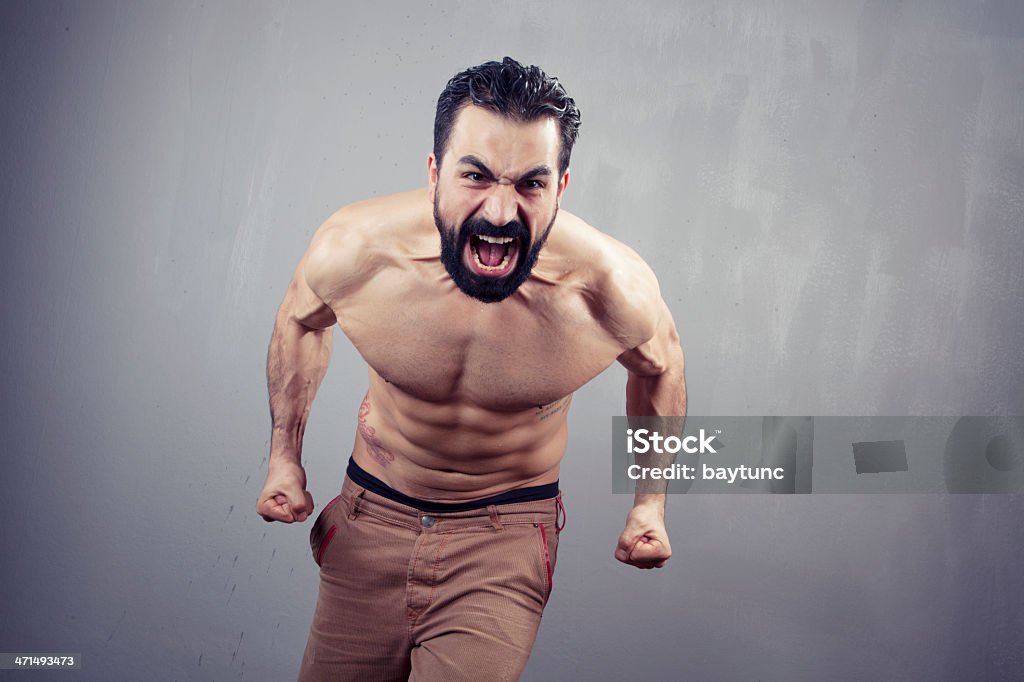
(531, 493)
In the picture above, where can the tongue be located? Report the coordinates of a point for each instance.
(491, 255)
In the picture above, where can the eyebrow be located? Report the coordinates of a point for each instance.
(542, 170)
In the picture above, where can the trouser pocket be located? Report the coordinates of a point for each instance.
(323, 532)
(546, 554)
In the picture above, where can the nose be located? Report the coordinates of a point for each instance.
(502, 203)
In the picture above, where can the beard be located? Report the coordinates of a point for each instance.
(488, 289)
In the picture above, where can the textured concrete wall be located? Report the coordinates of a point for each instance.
(830, 193)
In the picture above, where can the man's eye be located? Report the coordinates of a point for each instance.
(475, 177)
(533, 184)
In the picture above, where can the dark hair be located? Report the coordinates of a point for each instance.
(520, 93)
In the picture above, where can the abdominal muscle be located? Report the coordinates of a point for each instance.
(456, 451)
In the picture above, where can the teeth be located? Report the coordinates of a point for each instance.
(494, 240)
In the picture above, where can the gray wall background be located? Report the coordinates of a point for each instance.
(832, 194)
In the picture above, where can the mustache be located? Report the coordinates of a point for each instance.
(514, 229)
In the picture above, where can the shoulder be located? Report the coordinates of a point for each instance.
(355, 242)
(620, 287)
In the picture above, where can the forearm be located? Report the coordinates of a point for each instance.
(657, 403)
(658, 395)
(296, 363)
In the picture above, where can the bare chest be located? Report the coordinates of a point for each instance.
(500, 356)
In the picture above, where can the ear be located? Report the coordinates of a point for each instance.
(432, 171)
(562, 184)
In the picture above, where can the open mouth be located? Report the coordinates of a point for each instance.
(489, 256)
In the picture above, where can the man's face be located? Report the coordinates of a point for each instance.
(495, 199)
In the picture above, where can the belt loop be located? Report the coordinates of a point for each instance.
(492, 511)
(353, 503)
(559, 507)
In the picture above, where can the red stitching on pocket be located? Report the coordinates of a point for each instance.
(323, 545)
(547, 557)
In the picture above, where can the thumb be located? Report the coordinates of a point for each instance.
(297, 504)
(645, 546)
(302, 506)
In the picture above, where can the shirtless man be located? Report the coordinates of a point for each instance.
(436, 559)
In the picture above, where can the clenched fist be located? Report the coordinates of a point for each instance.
(284, 497)
(644, 541)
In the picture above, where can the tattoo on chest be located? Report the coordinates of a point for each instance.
(369, 434)
(545, 411)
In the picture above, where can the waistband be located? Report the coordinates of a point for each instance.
(357, 500)
(534, 493)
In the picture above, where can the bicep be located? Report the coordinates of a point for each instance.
(302, 303)
(638, 317)
(661, 352)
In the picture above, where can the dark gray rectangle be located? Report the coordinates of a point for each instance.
(880, 456)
